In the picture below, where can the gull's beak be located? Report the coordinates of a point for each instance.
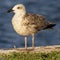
(10, 10)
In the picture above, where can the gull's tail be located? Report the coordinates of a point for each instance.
(50, 25)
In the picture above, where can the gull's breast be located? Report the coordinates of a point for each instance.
(21, 28)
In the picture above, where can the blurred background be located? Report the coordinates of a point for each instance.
(48, 8)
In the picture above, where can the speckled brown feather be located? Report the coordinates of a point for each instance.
(37, 21)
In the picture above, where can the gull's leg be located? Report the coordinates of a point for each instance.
(33, 41)
(25, 42)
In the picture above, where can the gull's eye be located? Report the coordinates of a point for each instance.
(19, 7)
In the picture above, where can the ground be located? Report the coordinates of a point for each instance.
(39, 53)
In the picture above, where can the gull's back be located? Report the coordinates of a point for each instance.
(37, 22)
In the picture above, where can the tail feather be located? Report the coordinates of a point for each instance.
(50, 26)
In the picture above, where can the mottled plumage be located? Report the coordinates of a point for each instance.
(36, 21)
(28, 24)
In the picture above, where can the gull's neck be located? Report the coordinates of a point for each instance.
(20, 14)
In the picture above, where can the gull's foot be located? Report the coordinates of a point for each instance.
(29, 48)
(32, 48)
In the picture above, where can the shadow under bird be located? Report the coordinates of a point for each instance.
(28, 24)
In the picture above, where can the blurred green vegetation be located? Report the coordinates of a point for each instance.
(31, 56)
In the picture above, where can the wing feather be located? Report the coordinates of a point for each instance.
(36, 21)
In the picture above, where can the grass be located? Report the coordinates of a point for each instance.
(31, 56)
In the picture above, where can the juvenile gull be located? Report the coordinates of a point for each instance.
(28, 24)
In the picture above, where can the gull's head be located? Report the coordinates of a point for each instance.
(18, 9)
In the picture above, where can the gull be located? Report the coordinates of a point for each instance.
(27, 23)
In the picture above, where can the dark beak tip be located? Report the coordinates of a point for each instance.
(10, 10)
